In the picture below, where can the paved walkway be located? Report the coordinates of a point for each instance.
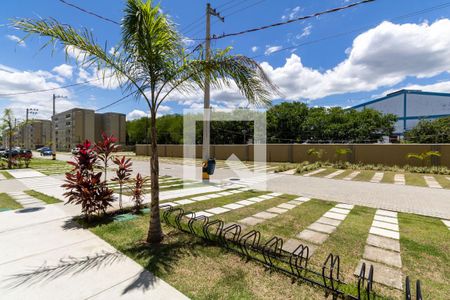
(45, 256)
(383, 250)
(26, 200)
(318, 232)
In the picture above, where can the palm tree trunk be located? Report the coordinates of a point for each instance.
(155, 234)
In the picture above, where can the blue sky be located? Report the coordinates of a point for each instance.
(340, 59)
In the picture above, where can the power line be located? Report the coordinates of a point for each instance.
(408, 15)
(89, 12)
(317, 14)
(115, 102)
(51, 89)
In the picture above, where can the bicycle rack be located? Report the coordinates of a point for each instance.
(271, 254)
(298, 261)
(272, 249)
(408, 295)
(362, 279)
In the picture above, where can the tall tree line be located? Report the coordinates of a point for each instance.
(288, 122)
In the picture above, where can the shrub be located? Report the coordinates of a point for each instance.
(84, 186)
(138, 192)
(123, 173)
(105, 148)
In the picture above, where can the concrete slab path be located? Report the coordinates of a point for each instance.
(44, 255)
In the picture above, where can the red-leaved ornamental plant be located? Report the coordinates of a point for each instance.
(138, 192)
(105, 149)
(123, 173)
(84, 186)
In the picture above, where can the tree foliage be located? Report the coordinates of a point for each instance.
(436, 131)
(287, 122)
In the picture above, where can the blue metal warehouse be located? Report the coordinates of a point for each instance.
(410, 106)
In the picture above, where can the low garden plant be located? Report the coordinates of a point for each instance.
(123, 173)
(84, 185)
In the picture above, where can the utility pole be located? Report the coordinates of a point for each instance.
(54, 125)
(206, 104)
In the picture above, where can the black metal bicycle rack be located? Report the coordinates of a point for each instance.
(408, 290)
(274, 258)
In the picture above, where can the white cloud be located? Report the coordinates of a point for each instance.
(306, 31)
(187, 41)
(271, 49)
(136, 114)
(164, 108)
(18, 81)
(103, 79)
(16, 39)
(291, 13)
(380, 57)
(64, 70)
(254, 49)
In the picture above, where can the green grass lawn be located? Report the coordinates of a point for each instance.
(425, 248)
(388, 177)
(7, 202)
(443, 181)
(43, 197)
(50, 167)
(415, 179)
(199, 269)
(203, 270)
(6, 174)
(365, 175)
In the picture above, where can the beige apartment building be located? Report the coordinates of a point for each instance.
(74, 126)
(111, 124)
(37, 133)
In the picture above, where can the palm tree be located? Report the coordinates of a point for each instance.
(150, 62)
(10, 128)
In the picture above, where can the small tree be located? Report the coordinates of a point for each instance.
(341, 154)
(105, 149)
(317, 153)
(138, 192)
(123, 173)
(10, 128)
(84, 186)
(424, 156)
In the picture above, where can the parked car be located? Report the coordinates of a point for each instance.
(14, 152)
(45, 151)
(75, 150)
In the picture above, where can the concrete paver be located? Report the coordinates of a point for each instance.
(251, 221)
(383, 242)
(352, 175)
(312, 236)
(377, 177)
(387, 257)
(276, 210)
(264, 215)
(385, 275)
(432, 182)
(384, 232)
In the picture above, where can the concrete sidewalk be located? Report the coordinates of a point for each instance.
(44, 255)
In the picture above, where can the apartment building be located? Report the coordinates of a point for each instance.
(74, 126)
(37, 133)
(111, 124)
